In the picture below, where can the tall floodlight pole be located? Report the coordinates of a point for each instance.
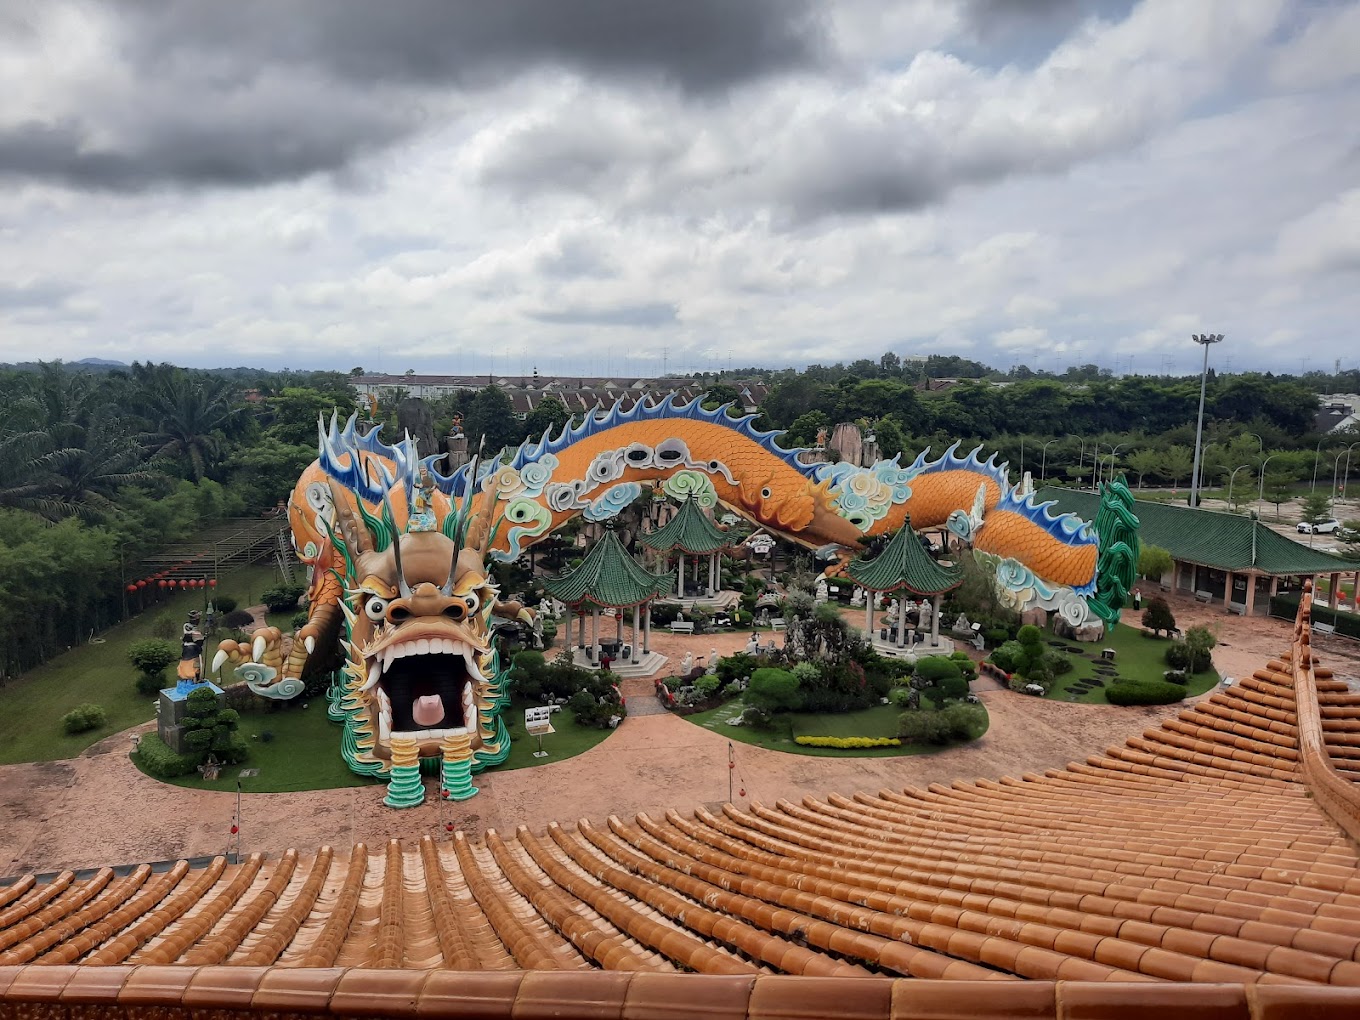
(1081, 457)
(1261, 490)
(1317, 455)
(1232, 478)
(1204, 340)
(1043, 466)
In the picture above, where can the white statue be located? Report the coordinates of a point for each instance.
(821, 590)
(926, 612)
(687, 664)
(712, 659)
(857, 599)
(963, 625)
(753, 645)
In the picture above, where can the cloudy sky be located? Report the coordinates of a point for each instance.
(610, 186)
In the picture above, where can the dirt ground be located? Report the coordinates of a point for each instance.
(98, 809)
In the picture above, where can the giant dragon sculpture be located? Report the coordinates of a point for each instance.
(402, 602)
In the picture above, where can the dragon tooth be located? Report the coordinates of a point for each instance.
(374, 675)
(470, 663)
(257, 648)
(423, 646)
(218, 660)
(309, 643)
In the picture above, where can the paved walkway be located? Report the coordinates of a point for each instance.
(98, 809)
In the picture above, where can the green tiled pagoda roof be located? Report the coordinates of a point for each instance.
(1211, 538)
(608, 577)
(904, 564)
(690, 531)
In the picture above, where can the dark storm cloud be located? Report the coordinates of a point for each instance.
(648, 314)
(207, 93)
(703, 45)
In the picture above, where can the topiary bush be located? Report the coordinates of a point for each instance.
(153, 655)
(933, 669)
(238, 619)
(1199, 643)
(1177, 655)
(149, 685)
(300, 619)
(957, 722)
(1143, 692)
(224, 604)
(83, 718)
(156, 759)
(738, 666)
(707, 686)
(282, 598)
(1011, 656)
(774, 690)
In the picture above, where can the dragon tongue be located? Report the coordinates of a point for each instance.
(428, 710)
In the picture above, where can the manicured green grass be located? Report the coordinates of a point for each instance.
(304, 754)
(1138, 656)
(31, 706)
(567, 740)
(879, 721)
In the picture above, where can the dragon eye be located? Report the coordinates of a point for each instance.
(473, 602)
(376, 609)
(765, 492)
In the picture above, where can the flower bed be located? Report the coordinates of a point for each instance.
(845, 743)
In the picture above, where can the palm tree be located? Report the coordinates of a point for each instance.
(107, 458)
(191, 416)
(29, 461)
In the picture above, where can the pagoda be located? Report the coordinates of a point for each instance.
(903, 568)
(690, 533)
(609, 578)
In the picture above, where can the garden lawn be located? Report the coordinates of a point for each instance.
(304, 754)
(880, 721)
(567, 740)
(1138, 656)
(99, 672)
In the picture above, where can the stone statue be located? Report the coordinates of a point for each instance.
(687, 664)
(963, 625)
(926, 612)
(753, 645)
(712, 659)
(857, 599)
(821, 590)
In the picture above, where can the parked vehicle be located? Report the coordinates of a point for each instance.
(1320, 528)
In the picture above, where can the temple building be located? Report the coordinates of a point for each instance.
(905, 568)
(690, 533)
(609, 578)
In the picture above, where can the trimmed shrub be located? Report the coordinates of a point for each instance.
(1143, 692)
(82, 718)
(150, 684)
(1011, 657)
(738, 666)
(282, 598)
(1199, 643)
(300, 618)
(957, 722)
(774, 690)
(156, 759)
(1178, 655)
(901, 696)
(237, 619)
(936, 668)
(848, 743)
(1056, 663)
(224, 604)
(153, 655)
(1157, 617)
(707, 686)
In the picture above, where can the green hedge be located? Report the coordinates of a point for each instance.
(1287, 607)
(1144, 692)
(158, 760)
(82, 718)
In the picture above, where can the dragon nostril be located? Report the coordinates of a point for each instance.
(455, 611)
(398, 614)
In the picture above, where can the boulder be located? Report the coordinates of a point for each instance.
(1092, 630)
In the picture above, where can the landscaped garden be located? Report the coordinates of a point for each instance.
(829, 694)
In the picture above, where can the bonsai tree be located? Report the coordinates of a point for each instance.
(208, 729)
(151, 657)
(1157, 616)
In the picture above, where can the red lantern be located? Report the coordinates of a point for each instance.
(741, 792)
(235, 829)
(448, 826)
(132, 587)
(161, 583)
(141, 584)
(212, 583)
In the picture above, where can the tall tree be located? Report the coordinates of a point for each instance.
(192, 417)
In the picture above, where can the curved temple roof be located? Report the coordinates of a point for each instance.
(689, 530)
(1217, 848)
(608, 577)
(904, 564)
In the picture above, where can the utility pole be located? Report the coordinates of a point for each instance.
(1204, 340)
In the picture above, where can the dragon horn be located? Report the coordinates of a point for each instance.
(460, 532)
(403, 589)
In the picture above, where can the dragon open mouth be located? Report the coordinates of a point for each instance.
(425, 688)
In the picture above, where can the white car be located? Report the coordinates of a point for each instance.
(1320, 528)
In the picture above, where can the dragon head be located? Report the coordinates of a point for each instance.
(420, 647)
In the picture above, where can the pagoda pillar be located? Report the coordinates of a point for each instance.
(1334, 590)
(680, 574)
(581, 629)
(633, 644)
(869, 614)
(1251, 595)
(1228, 592)
(647, 631)
(935, 622)
(595, 635)
(712, 574)
(901, 620)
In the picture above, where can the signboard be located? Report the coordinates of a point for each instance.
(761, 544)
(538, 723)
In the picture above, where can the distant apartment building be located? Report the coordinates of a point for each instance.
(576, 393)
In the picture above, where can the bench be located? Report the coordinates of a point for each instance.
(777, 623)
(1239, 608)
(1324, 628)
(1204, 596)
(682, 627)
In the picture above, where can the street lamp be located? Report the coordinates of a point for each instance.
(1262, 488)
(1232, 478)
(1114, 452)
(1043, 468)
(1081, 457)
(1205, 340)
(1346, 476)
(1316, 454)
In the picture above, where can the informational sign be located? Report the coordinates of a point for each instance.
(538, 720)
(538, 723)
(761, 544)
